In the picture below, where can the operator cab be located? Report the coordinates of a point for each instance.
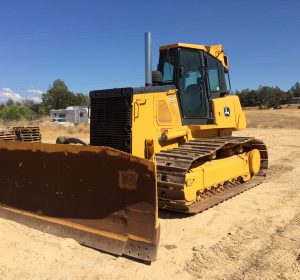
(199, 75)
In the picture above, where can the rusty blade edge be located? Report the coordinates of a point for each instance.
(129, 245)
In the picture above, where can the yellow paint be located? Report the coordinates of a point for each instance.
(156, 120)
(236, 119)
(175, 135)
(254, 161)
(215, 172)
(157, 126)
(154, 114)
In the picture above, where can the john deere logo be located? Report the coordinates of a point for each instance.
(226, 112)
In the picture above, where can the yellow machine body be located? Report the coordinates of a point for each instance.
(157, 115)
(184, 123)
(168, 145)
(157, 127)
(204, 176)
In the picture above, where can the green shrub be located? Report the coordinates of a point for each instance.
(15, 112)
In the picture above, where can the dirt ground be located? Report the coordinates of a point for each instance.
(255, 235)
(284, 118)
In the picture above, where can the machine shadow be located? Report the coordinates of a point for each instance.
(166, 214)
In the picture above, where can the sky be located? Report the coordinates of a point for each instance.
(100, 44)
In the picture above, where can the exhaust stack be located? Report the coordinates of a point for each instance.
(148, 59)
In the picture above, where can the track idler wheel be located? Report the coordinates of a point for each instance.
(254, 161)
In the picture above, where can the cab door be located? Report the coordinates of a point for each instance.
(192, 87)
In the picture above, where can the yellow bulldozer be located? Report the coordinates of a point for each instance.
(167, 145)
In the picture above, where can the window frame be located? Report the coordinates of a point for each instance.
(203, 93)
(161, 65)
(208, 119)
(221, 77)
(207, 99)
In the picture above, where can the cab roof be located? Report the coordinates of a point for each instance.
(214, 50)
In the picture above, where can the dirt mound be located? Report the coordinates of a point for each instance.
(277, 170)
(251, 251)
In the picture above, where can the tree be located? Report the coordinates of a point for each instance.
(33, 106)
(9, 102)
(57, 96)
(248, 97)
(270, 96)
(295, 90)
(263, 96)
(81, 99)
(16, 112)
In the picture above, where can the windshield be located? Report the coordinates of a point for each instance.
(166, 65)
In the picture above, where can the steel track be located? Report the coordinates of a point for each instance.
(174, 164)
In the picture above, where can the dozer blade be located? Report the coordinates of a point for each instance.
(101, 197)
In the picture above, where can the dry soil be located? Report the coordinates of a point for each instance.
(255, 235)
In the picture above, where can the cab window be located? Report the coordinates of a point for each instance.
(215, 75)
(166, 65)
(192, 95)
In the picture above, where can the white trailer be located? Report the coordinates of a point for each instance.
(72, 114)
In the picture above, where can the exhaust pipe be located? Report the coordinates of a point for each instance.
(148, 59)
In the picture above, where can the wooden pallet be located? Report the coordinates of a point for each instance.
(8, 135)
(28, 134)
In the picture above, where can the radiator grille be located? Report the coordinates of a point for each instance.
(111, 114)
